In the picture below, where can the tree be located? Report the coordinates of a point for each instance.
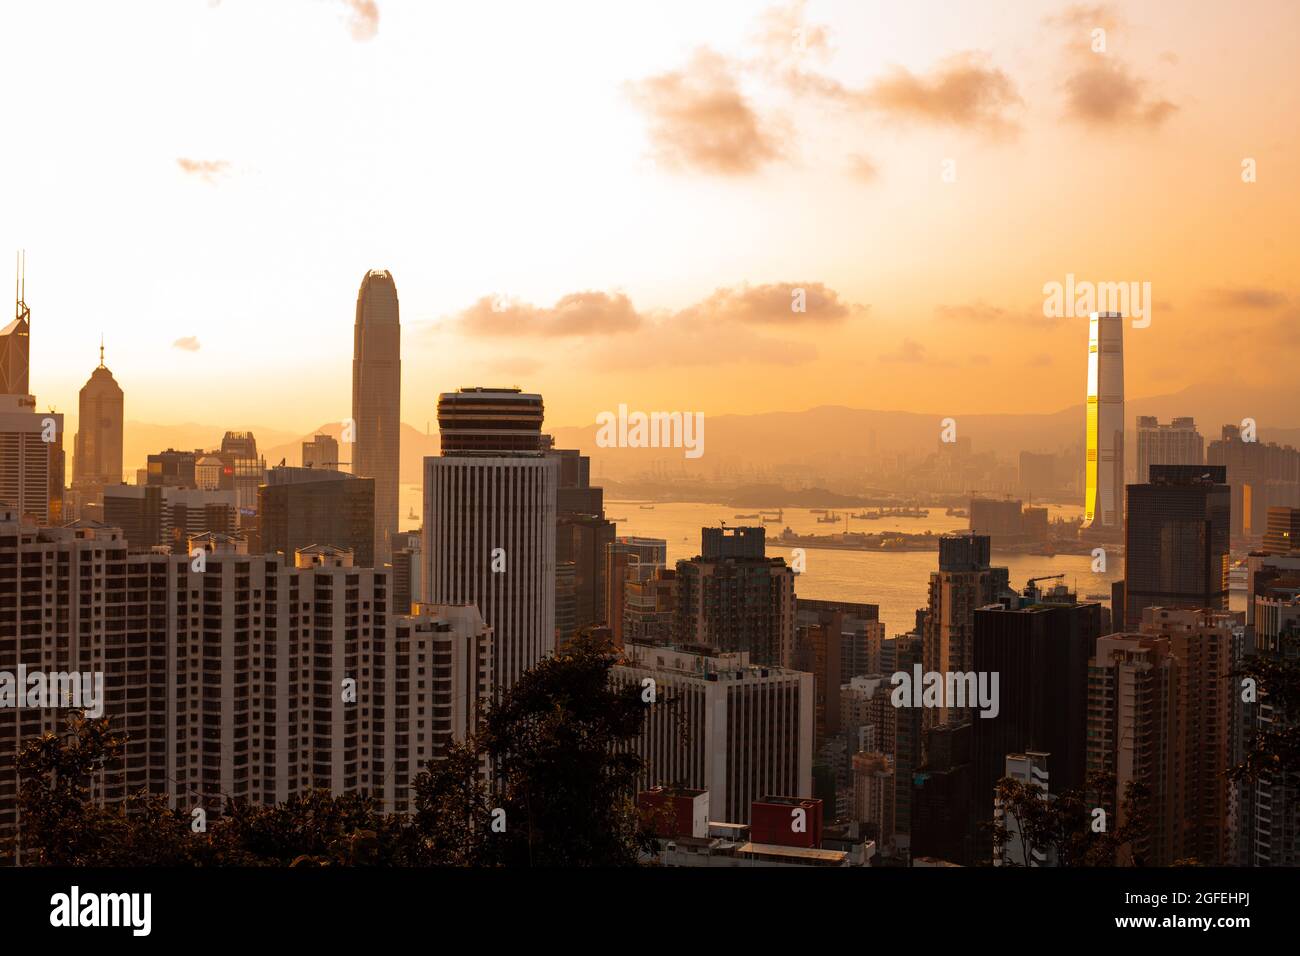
(1273, 753)
(1064, 825)
(556, 741)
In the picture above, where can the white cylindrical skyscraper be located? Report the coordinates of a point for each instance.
(489, 521)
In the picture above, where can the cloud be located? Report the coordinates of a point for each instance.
(784, 35)
(774, 303)
(363, 18)
(1248, 298)
(700, 120)
(681, 341)
(579, 313)
(1105, 93)
(910, 352)
(722, 328)
(207, 170)
(186, 344)
(981, 313)
(1100, 89)
(959, 92)
(862, 169)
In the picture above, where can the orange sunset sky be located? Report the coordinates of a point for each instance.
(637, 187)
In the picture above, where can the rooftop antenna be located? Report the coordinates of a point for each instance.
(20, 288)
(101, 349)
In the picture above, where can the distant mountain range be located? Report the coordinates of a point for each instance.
(829, 437)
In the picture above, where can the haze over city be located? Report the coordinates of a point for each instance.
(641, 187)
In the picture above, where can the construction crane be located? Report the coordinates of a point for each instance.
(1047, 577)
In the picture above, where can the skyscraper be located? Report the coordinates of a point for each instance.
(1159, 713)
(97, 448)
(1176, 541)
(732, 597)
(31, 442)
(1104, 465)
(964, 582)
(15, 343)
(377, 400)
(299, 507)
(489, 521)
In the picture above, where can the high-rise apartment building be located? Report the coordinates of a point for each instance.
(377, 401)
(1176, 541)
(233, 680)
(1160, 706)
(97, 448)
(1178, 443)
(1104, 461)
(732, 597)
(722, 724)
(489, 521)
(1262, 476)
(964, 582)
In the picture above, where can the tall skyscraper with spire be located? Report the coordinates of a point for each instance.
(15, 341)
(1104, 467)
(31, 442)
(97, 448)
(377, 400)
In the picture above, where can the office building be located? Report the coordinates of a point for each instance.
(631, 559)
(1176, 541)
(582, 536)
(298, 507)
(321, 452)
(723, 724)
(97, 448)
(1283, 531)
(151, 516)
(377, 400)
(489, 521)
(1104, 461)
(1039, 644)
(31, 459)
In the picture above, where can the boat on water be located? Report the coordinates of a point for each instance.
(746, 517)
(957, 513)
(817, 511)
(866, 516)
(831, 518)
(776, 517)
(647, 507)
(617, 519)
(413, 516)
